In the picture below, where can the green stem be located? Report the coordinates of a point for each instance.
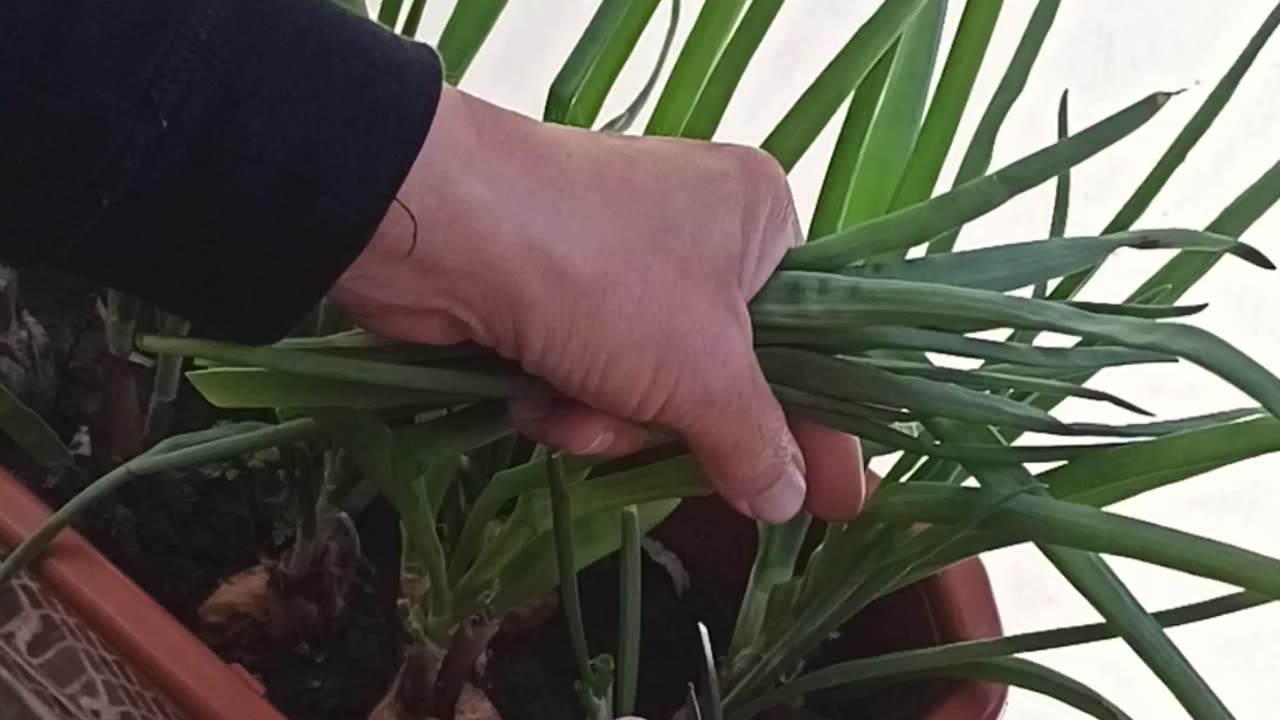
(309, 493)
(316, 364)
(776, 552)
(562, 524)
(630, 600)
(389, 12)
(818, 567)
(413, 19)
(822, 615)
(624, 120)
(464, 33)
(164, 388)
(158, 460)
(431, 553)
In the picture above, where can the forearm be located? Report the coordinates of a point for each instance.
(225, 159)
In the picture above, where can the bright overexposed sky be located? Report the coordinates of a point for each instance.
(1108, 54)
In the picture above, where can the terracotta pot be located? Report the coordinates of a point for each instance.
(717, 547)
(79, 640)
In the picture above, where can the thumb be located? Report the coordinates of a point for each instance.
(739, 435)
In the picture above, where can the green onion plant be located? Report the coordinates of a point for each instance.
(851, 332)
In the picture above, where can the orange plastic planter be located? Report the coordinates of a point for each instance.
(80, 638)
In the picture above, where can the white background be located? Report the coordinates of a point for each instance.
(1108, 54)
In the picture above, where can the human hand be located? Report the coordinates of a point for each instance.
(617, 269)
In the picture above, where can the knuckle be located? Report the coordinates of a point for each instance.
(760, 168)
(766, 193)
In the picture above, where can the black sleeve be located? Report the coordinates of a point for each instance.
(223, 159)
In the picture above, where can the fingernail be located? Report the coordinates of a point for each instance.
(782, 500)
(530, 408)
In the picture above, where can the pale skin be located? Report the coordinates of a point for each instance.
(618, 270)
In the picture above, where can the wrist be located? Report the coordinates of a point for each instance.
(460, 243)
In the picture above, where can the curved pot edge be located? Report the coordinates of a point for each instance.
(962, 600)
(157, 645)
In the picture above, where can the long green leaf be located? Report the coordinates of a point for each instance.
(706, 41)
(998, 381)
(453, 433)
(624, 120)
(1095, 580)
(177, 452)
(413, 18)
(1070, 524)
(819, 301)
(677, 477)
(1062, 191)
(833, 198)
(567, 569)
(531, 572)
(908, 662)
(1019, 265)
(464, 33)
(968, 49)
(497, 492)
(1181, 272)
(777, 548)
(603, 496)
(1058, 220)
(476, 385)
(1181, 146)
(1028, 675)
(918, 223)
(815, 619)
(389, 12)
(1200, 422)
(373, 446)
(800, 126)
(841, 379)
(857, 339)
(29, 431)
(630, 601)
(239, 388)
(705, 117)
(865, 543)
(1111, 476)
(1135, 310)
(897, 122)
(1098, 583)
(977, 159)
(891, 439)
(580, 88)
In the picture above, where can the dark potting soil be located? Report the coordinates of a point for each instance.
(179, 535)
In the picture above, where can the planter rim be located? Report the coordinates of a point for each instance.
(976, 618)
(192, 676)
